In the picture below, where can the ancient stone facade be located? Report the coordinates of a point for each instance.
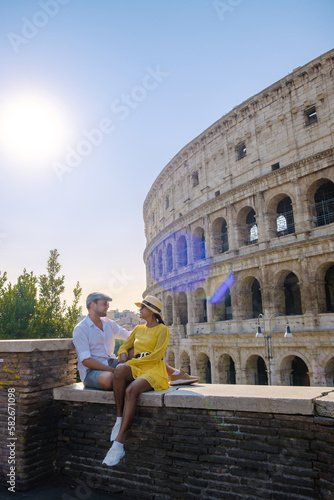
(239, 228)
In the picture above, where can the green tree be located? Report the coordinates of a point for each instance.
(33, 307)
(17, 307)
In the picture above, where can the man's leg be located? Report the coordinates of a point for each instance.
(105, 380)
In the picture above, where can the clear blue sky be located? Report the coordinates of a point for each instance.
(184, 63)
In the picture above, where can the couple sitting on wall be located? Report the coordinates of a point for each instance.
(138, 368)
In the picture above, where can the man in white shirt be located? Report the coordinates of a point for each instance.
(94, 342)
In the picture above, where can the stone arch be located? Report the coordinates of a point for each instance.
(226, 369)
(185, 362)
(280, 215)
(168, 311)
(294, 371)
(169, 258)
(170, 358)
(220, 235)
(222, 310)
(200, 306)
(204, 368)
(325, 287)
(293, 304)
(329, 373)
(247, 226)
(198, 241)
(182, 308)
(286, 285)
(251, 302)
(256, 370)
(320, 196)
(182, 251)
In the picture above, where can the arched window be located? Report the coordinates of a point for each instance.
(256, 299)
(226, 370)
(182, 308)
(285, 222)
(329, 289)
(169, 258)
(222, 311)
(220, 236)
(329, 373)
(224, 237)
(182, 254)
(256, 371)
(204, 368)
(199, 244)
(299, 375)
(292, 295)
(251, 228)
(324, 204)
(261, 377)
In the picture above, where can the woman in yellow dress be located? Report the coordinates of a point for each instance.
(144, 372)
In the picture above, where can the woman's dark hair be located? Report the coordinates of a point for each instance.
(158, 318)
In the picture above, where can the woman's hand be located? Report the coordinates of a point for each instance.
(123, 358)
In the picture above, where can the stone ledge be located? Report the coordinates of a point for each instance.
(77, 393)
(262, 399)
(325, 405)
(30, 345)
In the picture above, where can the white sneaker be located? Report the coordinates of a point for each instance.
(114, 455)
(115, 430)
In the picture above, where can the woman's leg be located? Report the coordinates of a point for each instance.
(122, 377)
(130, 403)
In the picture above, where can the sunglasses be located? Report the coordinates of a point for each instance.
(104, 303)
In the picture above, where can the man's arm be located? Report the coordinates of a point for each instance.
(93, 364)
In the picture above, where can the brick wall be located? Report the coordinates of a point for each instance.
(186, 453)
(29, 372)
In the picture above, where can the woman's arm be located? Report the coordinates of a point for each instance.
(127, 344)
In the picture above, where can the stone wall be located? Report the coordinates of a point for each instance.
(206, 441)
(30, 369)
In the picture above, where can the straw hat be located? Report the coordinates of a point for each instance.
(152, 303)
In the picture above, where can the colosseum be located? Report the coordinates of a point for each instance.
(239, 228)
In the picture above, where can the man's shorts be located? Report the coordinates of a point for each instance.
(92, 376)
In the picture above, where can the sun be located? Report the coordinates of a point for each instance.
(34, 128)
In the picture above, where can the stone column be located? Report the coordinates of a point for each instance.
(307, 289)
(232, 227)
(261, 219)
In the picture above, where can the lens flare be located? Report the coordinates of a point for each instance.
(223, 290)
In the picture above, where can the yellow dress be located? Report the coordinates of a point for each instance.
(151, 368)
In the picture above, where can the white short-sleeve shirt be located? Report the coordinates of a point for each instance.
(91, 342)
